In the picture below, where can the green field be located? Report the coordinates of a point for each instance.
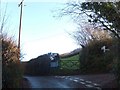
(71, 62)
(68, 66)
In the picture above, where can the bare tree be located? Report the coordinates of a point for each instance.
(85, 31)
(88, 33)
(81, 36)
(3, 19)
(100, 14)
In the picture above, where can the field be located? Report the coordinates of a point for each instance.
(74, 57)
(71, 62)
(68, 66)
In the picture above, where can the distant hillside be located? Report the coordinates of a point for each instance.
(72, 53)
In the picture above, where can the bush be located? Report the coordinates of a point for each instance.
(11, 68)
(116, 63)
(94, 60)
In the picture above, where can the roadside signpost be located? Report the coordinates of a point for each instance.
(105, 49)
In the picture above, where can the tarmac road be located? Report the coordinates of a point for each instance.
(77, 81)
(52, 82)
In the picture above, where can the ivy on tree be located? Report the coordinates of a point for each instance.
(101, 14)
(104, 14)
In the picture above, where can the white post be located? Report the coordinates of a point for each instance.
(104, 49)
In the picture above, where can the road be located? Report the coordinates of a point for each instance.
(77, 81)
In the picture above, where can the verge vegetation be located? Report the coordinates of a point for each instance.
(11, 68)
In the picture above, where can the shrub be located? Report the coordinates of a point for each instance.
(11, 68)
(93, 59)
(116, 63)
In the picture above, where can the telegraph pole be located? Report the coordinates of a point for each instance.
(21, 9)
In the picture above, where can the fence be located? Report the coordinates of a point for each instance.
(67, 67)
(69, 64)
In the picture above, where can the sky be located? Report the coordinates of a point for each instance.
(41, 31)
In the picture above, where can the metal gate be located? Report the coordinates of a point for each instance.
(69, 64)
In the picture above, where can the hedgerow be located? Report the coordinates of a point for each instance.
(11, 67)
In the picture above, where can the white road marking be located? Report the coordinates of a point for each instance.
(62, 76)
(67, 76)
(58, 76)
(89, 86)
(71, 79)
(96, 84)
(76, 80)
(88, 81)
(82, 82)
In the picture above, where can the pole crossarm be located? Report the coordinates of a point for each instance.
(20, 3)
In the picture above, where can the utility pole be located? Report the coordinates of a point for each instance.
(20, 5)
